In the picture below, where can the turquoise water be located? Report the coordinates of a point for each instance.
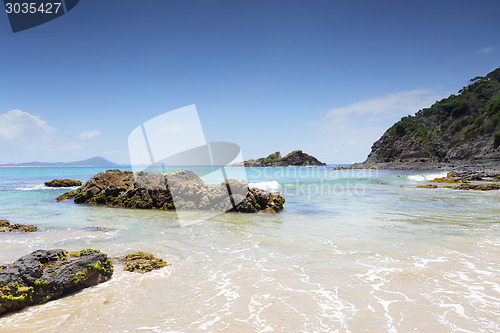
(354, 250)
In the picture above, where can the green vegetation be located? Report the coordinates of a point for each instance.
(458, 119)
(41, 283)
(78, 254)
(105, 268)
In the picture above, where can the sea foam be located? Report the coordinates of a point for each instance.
(272, 186)
(34, 187)
(421, 178)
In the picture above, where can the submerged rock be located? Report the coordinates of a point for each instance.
(102, 229)
(117, 188)
(5, 226)
(476, 187)
(482, 181)
(45, 275)
(63, 183)
(141, 262)
(427, 186)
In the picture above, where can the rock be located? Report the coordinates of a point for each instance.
(101, 229)
(482, 181)
(117, 188)
(5, 226)
(141, 262)
(458, 132)
(295, 158)
(446, 180)
(427, 186)
(45, 275)
(477, 187)
(63, 183)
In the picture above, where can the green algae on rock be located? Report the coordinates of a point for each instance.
(117, 188)
(476, 187)
(5, 226)
(141, 262)
(427, 186)
(45, 275)
(63, 183)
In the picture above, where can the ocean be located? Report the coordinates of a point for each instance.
(353, 251)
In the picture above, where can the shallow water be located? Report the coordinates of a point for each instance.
(347, 254)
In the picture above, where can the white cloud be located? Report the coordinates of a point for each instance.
(348, 132)
(90, 135)
(401, 103)
(16, 124)
(485, 50)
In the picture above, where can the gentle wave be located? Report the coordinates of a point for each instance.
(421, 178)
(35, 187)
(272, 186)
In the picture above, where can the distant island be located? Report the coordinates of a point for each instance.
(91, 162)
(295, 158)
(461, 131)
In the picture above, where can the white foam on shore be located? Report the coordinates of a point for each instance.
(35, 187)
(421, 178)
(272, 186)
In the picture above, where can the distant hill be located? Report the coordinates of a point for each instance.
(91, 162)
(295, 158)
(458, 130)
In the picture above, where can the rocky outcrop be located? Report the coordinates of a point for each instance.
(461, 131)
(5, 226)
(45, 275)
(63, 183)
(467, 180)
(179, 190)
(141, 262)
(295, 158)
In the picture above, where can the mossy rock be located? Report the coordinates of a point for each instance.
(5, 226)
(45, 275)
(63, 183)
(141, 262)
(427, 186)
(478, 187)
(447, 180)
(141, 190)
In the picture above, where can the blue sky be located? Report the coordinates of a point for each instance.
(324, 76)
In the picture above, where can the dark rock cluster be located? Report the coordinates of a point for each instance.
(295, 158)
(48, 274)
(179, 190)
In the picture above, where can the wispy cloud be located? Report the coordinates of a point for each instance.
(350, 130)
(19, 125)
(405, 102)
(485, 50)
(90, 135)
(25, 137)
